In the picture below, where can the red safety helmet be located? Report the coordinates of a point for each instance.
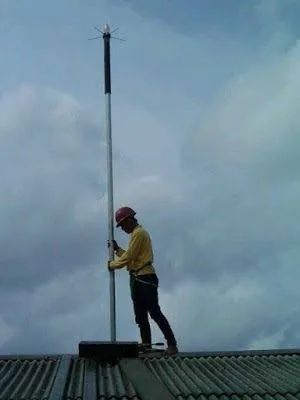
(123, 213)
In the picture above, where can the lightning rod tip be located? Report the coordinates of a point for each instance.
(106, 28)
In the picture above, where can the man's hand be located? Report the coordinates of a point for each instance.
(114, 245)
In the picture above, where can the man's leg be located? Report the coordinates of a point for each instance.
(140, 312)
(150, 295)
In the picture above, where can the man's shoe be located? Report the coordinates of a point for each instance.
(171, 350)
(143, 347)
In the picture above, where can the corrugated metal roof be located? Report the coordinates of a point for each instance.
(64, 377)
(241, 377)
(27, 379)
(192, 376)
(107, 382)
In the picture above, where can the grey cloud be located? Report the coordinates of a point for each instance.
(53, 159)
(245, 167)
(57, 315)
(245, 209)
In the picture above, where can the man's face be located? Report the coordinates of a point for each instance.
(127, 225)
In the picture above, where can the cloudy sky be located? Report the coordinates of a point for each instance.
(205, 108)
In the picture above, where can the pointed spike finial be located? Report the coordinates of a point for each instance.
(106, 29)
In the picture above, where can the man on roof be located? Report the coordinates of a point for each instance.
(138, 259)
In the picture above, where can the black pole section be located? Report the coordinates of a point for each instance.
(107, 84)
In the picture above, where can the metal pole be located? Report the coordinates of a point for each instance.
(110, 200)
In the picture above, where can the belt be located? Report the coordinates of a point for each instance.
(144, 282)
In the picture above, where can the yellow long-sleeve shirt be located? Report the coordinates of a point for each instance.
(138, 254)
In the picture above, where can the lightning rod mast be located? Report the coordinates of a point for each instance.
(110, 198)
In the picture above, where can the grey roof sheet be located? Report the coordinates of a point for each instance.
(245, 376)
(228, 377)
(62, 377)
(27, 379)
(108, 382)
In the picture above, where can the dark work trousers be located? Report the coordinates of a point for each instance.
(144, 294)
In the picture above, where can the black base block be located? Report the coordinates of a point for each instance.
(108, 351)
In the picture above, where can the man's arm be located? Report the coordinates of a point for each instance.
(130, 254)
